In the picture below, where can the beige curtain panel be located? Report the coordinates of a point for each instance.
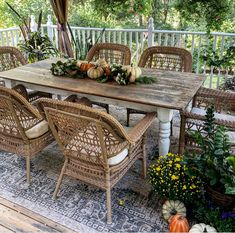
(60, 8)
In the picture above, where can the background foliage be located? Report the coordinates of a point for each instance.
(195, 15)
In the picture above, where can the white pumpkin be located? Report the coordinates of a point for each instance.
(127, 68)
(202, 227)
(95, 72)
(102, 63)
(135, 73)
(171, 207)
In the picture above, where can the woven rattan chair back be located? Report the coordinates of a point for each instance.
(85, 134)
(10, 57)
(16, 114)
(166, 58)
(111, 52)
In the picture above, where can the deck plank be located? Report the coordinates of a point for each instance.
(15, 218)
(3, 229)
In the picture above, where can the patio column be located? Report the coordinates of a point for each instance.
(60, 8)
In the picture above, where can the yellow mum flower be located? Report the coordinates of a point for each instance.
(177, 159)
(174, 177)
(178, 165)
(158, 168)
(184, 187)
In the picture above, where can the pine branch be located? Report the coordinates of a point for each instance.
(146, 80)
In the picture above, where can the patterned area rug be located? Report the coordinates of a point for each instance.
(79, 206)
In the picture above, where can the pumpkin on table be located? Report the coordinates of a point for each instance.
(134, 71)
(171, 208)
(102, 63)
(202, 227)
(107, 71)
(95, 72)
(86, 66)
(178, 223)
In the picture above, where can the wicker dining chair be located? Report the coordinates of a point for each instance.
(194, 119)
(163, 58)
(96, 147)
(22, 129)
(113, 54)
(10, 58)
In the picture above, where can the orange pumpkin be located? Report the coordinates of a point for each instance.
(178, 223)
(86, 66)
(107, 71)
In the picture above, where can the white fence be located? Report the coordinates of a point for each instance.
(139, 39)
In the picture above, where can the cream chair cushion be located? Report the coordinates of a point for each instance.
(221, 116)
(118, 158)
(37, 130)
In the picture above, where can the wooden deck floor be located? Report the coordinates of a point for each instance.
(15, 218)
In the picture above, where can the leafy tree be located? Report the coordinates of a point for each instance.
(212, 12)
(25, 7)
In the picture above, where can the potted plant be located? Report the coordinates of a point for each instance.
(35, 45)
(169, 179)
(213, 163)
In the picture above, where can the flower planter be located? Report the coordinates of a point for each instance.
(220, 199)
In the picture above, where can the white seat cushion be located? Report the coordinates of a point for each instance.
(37, 130)
(118, 158)
(231, 137)
(221, 116)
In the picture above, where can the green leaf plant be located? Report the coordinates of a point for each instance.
(35, 45)
(214, 163)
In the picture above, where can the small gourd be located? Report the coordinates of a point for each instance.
(135, 73)
(171, 208)
(107, 71)
(95, 72)
(178, 223)
(102, 63)
(202, 227)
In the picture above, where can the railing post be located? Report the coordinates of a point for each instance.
(150, 32)
(50, 31)
(33, 24)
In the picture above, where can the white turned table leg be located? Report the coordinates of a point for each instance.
(9, 83)
(165, 116)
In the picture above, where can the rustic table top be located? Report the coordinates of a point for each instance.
(173, 90)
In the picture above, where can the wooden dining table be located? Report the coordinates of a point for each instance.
(171, 91)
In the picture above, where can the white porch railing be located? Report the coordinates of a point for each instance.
(139, 39)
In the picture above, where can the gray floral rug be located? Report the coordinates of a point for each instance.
(79, 206)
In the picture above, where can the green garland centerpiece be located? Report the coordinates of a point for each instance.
(100, 71)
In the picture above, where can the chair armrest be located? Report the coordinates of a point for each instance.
(194, 116)
(34, 95)
(82, 100)
(141, 127)
(31, 96)
(21, 90)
